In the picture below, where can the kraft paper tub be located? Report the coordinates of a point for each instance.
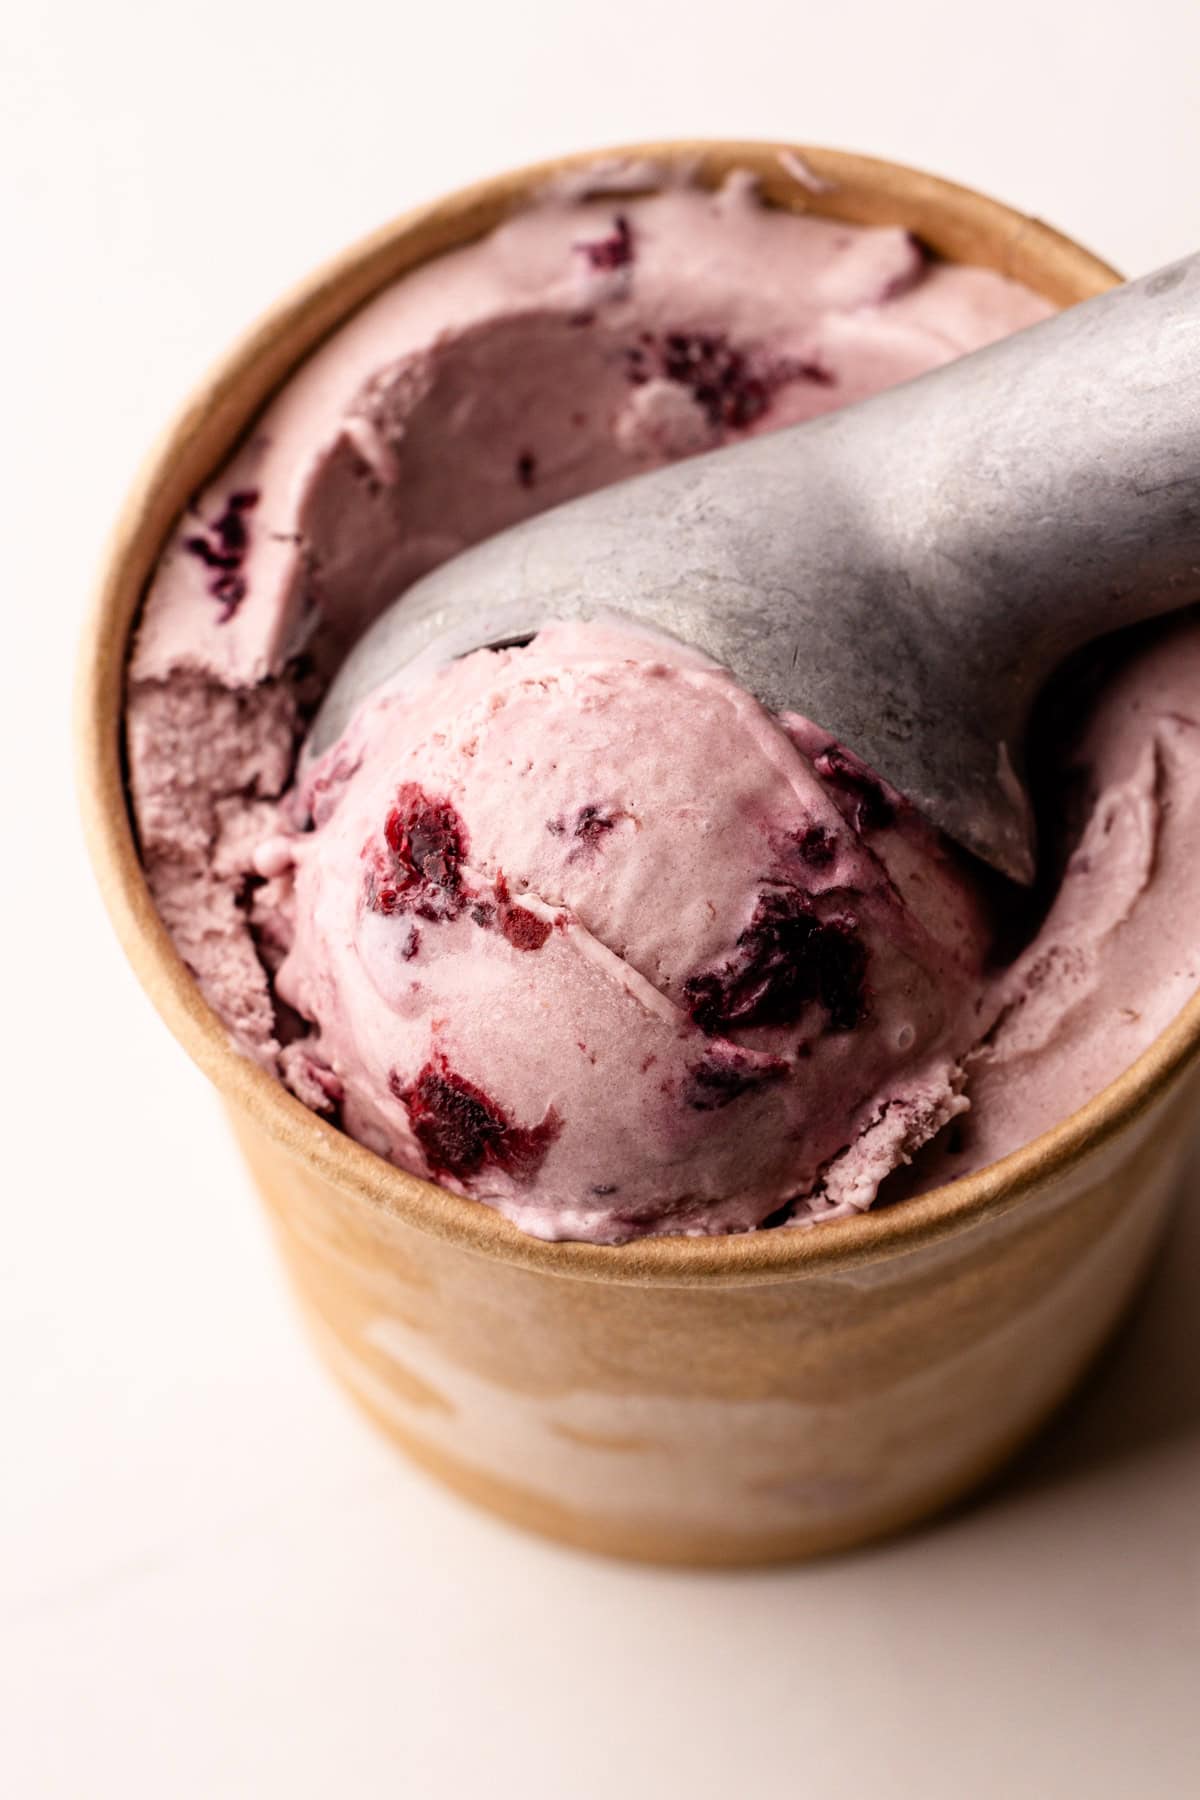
(725, 1400)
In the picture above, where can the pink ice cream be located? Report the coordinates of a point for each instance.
(578, 929)
(591, 936)
(1117, 954)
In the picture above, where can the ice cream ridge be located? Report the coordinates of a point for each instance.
(577, 928)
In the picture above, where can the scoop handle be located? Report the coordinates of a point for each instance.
(1058, 476)
(906, 571)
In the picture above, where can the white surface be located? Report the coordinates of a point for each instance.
(217, 1581)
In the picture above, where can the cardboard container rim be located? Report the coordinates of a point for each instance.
(219, 410)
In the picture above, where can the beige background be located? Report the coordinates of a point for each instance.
(215, 1580)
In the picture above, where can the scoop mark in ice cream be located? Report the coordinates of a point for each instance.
(462, 1130)
(785, 959)
(725, 1073)
(419, 868)
(222, 549)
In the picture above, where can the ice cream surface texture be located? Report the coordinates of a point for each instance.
(590, 935)
(578, 929)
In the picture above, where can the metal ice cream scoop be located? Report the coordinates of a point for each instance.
(906, 573)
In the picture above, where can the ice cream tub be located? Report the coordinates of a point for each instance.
(760, 1396)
